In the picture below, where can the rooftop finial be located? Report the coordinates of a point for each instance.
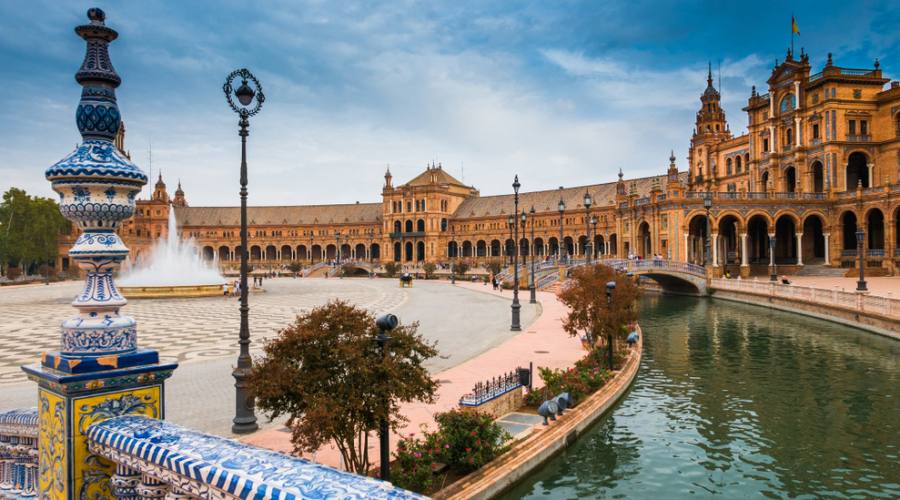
(829, 62)
(709, 75)
(672, 156)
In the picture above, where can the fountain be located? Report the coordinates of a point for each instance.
(174, 269)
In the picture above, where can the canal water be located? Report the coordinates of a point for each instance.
(739, 401)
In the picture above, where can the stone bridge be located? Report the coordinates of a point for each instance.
(672, 276)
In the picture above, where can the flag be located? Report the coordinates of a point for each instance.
(794, 27)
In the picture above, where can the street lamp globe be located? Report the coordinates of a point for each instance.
(510, 220)
(244, 93)
(516, 185)
(588, 201)
(524, 217)
(707, 202)
(562, 205)
(860, 236)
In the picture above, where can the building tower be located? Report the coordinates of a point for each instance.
(710, 128)
(179, 200)
(159, 190)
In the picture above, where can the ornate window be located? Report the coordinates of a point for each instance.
(728, 168)
(788, 103)
(737, 164)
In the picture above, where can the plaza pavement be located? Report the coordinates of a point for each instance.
(201, 334)
(542, 342)
(885, 286)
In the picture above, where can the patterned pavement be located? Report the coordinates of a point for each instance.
(180, 329)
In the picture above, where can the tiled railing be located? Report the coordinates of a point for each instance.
(18, 453)
(856, 302)
(491, 389)
(156, 459)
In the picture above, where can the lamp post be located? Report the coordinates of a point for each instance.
(453, 259)
(515, 326)
(532, 287)
(707, 204)
(385, 324)
(310, 247)
(860, 237)
(561, 246)
(774, 275)
(593, 234)
(249, 102)
(337, 250)
(371, 243)
(610, 287)
(587, 212)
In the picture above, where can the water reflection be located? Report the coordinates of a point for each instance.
(734, 400)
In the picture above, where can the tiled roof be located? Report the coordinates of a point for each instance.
(441, 177)
(293, 215)
(548, 201)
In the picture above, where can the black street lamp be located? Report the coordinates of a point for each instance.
(337, 252)
(587, 212)
(245, 418)
(310, 247)
(454, 257)
(860, 238)
(774, 275)
(593, 234)
(515, 326)
(561, 246)
(707, 204)
(532, 287)
(385, 324)
(610, 287)
(371, 243)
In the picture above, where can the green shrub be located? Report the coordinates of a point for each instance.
(579, 381)
(469, 439)
(429, 269)
(413, 463)
(460, 268)
(390, 269)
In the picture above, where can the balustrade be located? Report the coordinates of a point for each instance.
(18, 453)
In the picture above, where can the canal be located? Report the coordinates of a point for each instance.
(738, 401)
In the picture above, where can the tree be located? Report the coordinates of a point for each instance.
(326, 374)
(460, 268)
(429, 269)
(589, 313)
(29, 230)
(295, 267)
(390, 269)
(495, 268)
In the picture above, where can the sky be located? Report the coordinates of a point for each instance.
(560, 93)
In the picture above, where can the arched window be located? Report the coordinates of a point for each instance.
(788, 136)
(728, 168)
(737, 164)
(788, 103)
(897, 121)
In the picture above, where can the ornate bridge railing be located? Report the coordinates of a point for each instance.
(157, 459)
(857, 302)
(491, 389)
(18, 453)
(313, 268)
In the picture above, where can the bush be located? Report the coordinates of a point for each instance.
(429, 269)
(460, 268)
(295, 267)
(495, 268)
(413, 463)
(390, 269)
(581, 380)
(469, 439)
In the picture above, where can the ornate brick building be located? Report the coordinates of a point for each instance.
(820, 160)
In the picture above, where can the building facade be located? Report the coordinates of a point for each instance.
(819, 162)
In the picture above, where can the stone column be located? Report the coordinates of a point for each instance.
(871, 167)
(827, 250)
(715, 249)
(797, 133)
(799, 249)
(687, 247)
(771, 251)
(772, 138)
(745, 257)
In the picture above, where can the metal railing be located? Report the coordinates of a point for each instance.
(859, 137)
(19, 453)
(313, 268)
(851, 301)
(491, 389)
(875, 252)
(156, 459)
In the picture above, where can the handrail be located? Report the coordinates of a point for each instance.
(851, 301)
(167, 459)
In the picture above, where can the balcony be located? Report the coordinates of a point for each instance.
(875, 252)
(848, 252)
(859, 137)
(409, 234)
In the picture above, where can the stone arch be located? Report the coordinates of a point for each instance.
(569, 245)
(224, 253)
(790, 179)
(409, 226)
(848, 232)
(374, 251)
(599, 248)
(255, 252)
(813, 238)
(645, 241)
(875, 231)
(398, 251)
(728, 246)
(764, 180)
(302, 253)
(409, 251)
(420, 225)
(496, 250)
(480, 248)
(331, 252)
(786, 238)
(316, 253)
(359, 251)
(698, 233)
(758, 227)
(452, 249)
(287, 253)
(398, 226)
(271, 252)
(553, 242)
(509, 248)
(467, 248)
(613, 244)
(857, 170)
(208, 253)
(420, 251)
(817, 174)
(539, 246)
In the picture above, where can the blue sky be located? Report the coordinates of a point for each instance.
(561, 92)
